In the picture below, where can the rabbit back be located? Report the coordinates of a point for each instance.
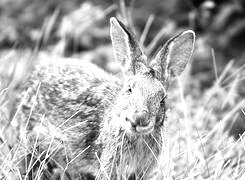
(63, 103)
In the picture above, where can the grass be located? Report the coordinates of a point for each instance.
(203, 145)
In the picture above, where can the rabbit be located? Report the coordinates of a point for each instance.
(91, 122)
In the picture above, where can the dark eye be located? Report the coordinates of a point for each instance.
(129, 90)
(163, 100)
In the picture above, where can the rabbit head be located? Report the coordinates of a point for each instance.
(140, 105)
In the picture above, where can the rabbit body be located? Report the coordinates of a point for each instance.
(86, 96)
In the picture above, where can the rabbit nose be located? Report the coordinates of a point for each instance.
(141, 118)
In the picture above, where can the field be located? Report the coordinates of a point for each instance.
(203, 134)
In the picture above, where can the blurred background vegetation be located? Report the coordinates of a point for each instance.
(76, 26)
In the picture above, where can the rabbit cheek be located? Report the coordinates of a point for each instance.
(122, 113)
(160, 117)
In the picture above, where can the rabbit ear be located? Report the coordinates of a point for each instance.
(126, 49)
(172, 59)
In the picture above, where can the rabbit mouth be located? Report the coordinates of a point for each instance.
(145, 129)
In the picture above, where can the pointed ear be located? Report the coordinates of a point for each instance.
(127, 51)
(172, 59)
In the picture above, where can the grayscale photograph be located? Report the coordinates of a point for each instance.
(122, 90)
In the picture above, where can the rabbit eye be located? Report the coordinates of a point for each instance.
(129, 90)
(162, 102)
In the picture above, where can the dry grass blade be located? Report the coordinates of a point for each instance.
(146, 29)
(152, 152)
(102, 166)
(33, 106)
(185, 111)
(155, 140)
(76, 113)
(243, 112)
(126, 14)
(41, 167)
(235, 73)
(224, 73)
(73, 159)
(48, 27)
(204, 153)
(33, 152)
(214, 64)
(232, 93)
(166, 30)
(71, 127)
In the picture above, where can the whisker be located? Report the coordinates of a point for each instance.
(156, 140)
(150, 150)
